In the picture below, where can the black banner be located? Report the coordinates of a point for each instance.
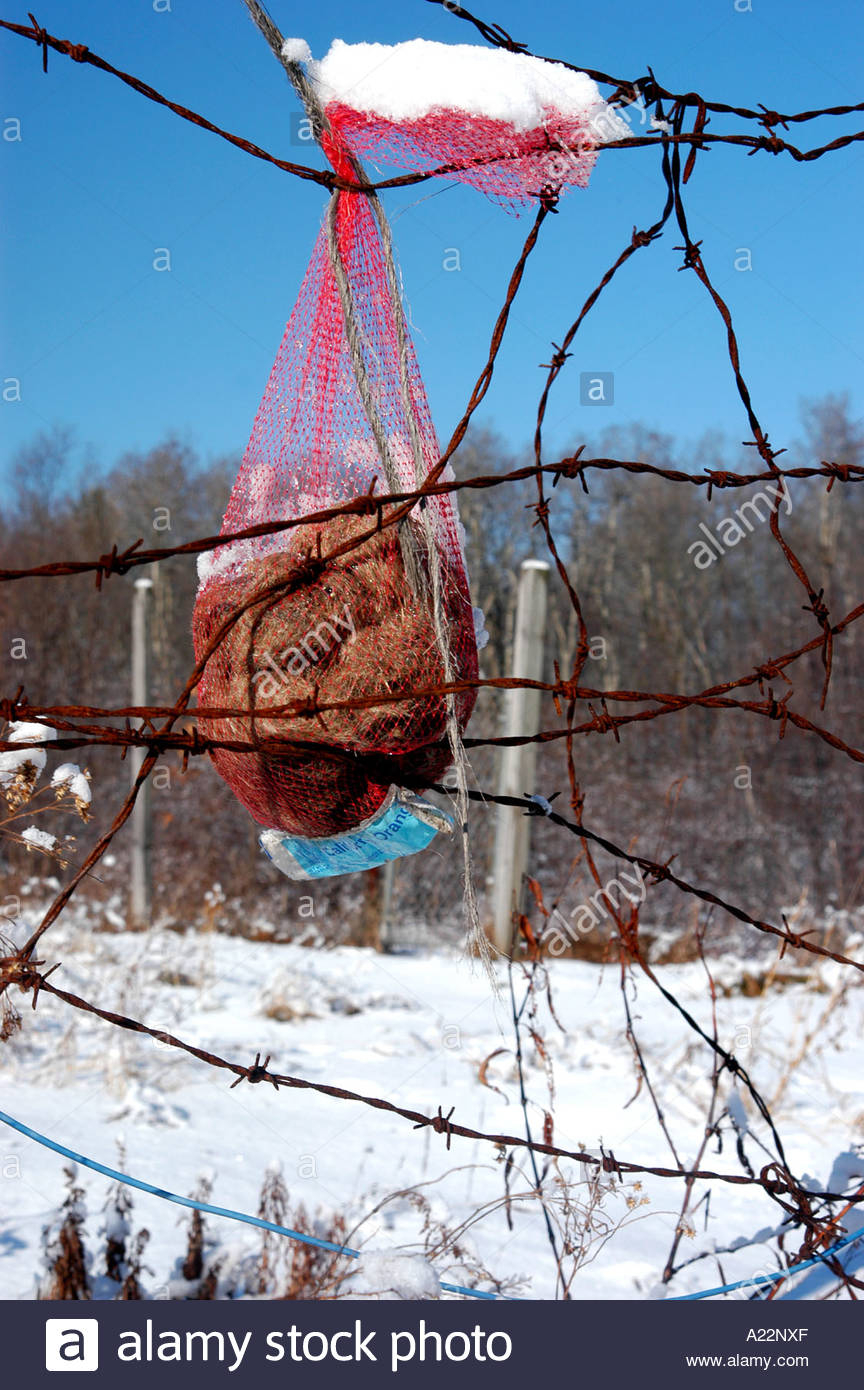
(379, 1343)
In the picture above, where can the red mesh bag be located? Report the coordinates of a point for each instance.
(333, 615)
(347, 628)
(508, 164)
(512, 125)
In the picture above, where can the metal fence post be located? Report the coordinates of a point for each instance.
(141, 884)
(517, 769)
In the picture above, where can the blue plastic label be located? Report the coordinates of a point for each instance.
(392, 834)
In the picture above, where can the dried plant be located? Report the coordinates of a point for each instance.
(20, 772)
(66, 1258)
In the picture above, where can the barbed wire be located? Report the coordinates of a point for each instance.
(121, 562)
(680, 121)
(772, 1179)
(626, 91)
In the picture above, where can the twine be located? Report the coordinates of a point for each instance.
(476, 935)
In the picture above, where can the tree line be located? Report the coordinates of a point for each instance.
(679, 594)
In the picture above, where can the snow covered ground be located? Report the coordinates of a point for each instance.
(415, 1028)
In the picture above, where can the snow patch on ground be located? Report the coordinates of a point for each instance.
(381, 1274)
(415, 1029)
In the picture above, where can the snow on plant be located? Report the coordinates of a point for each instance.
(20, 773)
(69, 780)
(67, 1263)
(20, 769)
(207, 1268)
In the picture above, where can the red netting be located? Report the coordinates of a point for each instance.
(353, 628)
(493, 155)
(345, 409)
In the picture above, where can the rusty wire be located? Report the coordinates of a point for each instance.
(117, 561)
(646, 88)
(79, 725)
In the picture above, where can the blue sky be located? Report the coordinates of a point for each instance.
(124, 354)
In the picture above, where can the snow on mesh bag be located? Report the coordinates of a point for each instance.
(307, 616)
(509, 124)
